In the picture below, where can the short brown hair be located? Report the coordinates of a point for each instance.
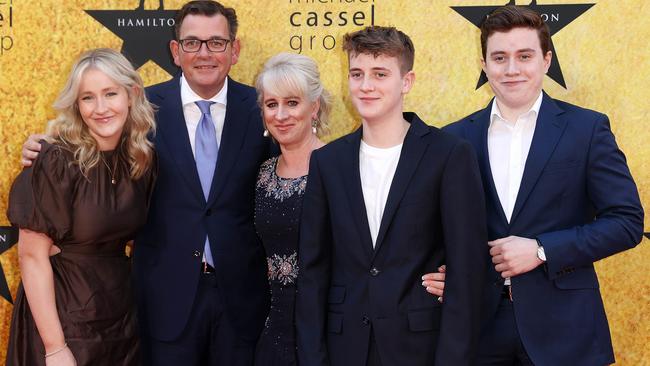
(378, 40)
(207, 8)
(506, 18)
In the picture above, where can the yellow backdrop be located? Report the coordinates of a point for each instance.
(604, 56)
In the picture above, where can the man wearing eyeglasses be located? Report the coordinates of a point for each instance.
(199, 266)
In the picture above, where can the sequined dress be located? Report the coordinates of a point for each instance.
(278, 202)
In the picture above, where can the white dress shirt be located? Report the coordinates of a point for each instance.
(508, 147)
(377, 168)
(192, 113)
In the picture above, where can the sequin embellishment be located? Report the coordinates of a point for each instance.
(278, 187)
(283, 269)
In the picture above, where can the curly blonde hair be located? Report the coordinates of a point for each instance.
(70, 130)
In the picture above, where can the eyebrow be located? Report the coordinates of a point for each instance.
(282, 97)
(103, 90)
(379, 68)
(518, 51)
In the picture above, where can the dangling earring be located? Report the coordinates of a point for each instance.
(266, 133)
(314, 123)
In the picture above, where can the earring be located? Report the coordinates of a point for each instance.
(266, 133)
(314, 123)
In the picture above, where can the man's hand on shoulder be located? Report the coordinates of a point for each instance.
(514, 255)
(31, 149)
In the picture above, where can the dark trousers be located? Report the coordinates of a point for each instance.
(501, 344)
(373, 352)
(208, 339)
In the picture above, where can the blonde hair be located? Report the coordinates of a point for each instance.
(69, 128)
(292, 74)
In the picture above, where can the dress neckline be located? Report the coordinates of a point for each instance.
(275, 172)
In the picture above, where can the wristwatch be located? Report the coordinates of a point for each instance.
(540, 251)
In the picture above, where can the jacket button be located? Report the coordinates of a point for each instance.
(365, 320)
(374, 272)
(208, 212)
(197, 253)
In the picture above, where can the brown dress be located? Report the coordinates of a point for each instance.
(91, 220)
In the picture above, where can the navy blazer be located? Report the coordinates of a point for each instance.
(168, 250)
(578, 199)
(434, 214)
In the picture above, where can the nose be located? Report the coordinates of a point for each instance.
(512, 68)
(101, 106)
(366, 84)
(281, 113)
(203, 50)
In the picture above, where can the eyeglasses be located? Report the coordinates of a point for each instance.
(213, 44)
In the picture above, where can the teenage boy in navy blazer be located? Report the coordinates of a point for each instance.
(384, 205)
(559, 198)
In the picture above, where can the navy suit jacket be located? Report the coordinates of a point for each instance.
(434, 214)
(578, 199)
(169, 248)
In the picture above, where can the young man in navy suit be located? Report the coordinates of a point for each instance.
(559, 198)
(383, 206)
(199, 267)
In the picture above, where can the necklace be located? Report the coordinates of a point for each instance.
(111, 171)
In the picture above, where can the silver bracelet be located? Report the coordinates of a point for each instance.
(65, 345)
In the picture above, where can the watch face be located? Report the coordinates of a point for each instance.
(540, 254)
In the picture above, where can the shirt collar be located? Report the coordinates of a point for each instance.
(188, 96)
(534, 110)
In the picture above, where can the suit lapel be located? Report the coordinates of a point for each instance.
(173, 130)
(548, 130)
(478, 136)
(234, 130)
(349, 158)
(412, 150)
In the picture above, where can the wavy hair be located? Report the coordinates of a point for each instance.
(293, 74)
(70, 130)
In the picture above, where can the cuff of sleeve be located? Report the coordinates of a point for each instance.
(557, 254)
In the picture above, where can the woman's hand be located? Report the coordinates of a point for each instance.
(61, 358)
(434, 283)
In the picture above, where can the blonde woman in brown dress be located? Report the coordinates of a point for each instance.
(77, 207)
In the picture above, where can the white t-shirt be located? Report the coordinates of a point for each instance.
(377, 168)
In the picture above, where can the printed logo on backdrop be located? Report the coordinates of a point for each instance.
(145, 33)
(8, 237)
(316, 23)
(557, 16)
(6, 26)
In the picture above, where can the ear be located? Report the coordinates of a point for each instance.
(236, 47)
(407, 81)
(483, 65)
(135, 93)
(315, 108)
(174, 47)
(547, 60)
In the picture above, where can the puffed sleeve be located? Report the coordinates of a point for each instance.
(41, 196)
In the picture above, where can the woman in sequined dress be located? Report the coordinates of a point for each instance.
(295, 107)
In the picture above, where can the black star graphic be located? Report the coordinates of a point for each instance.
(556, 16)
(8, 237)
(146, 34)
(647, 235)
